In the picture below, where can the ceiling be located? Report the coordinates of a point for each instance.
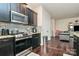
(60, 10)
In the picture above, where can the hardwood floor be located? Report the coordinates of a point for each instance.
(54, 47)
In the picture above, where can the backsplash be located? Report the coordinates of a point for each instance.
(12, 26)
(20, 27)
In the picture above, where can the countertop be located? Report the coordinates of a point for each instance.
(33, 33)
(6, 36)
(76, 33)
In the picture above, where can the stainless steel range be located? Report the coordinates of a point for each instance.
(23, 44)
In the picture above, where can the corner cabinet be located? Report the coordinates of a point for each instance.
(4, 12)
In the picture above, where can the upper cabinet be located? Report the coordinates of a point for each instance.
(23, 8)
(4, 12)
(35, 18)
(32, 17)
(15, 7)
(18, 7)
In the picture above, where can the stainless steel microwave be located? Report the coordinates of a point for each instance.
(18, 18)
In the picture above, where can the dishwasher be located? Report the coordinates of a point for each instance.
(7, 46)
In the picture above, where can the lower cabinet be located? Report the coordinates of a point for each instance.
(76, 45)
(35, 40)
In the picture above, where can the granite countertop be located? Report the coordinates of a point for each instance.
(33, 33)
(6, 36)
(76, 33)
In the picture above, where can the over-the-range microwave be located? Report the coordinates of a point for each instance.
(19, 18)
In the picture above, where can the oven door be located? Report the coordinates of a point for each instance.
(22, 45)
(7, 46)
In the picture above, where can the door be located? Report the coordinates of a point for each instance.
(28, 42)
(18, 7)
(30, 16)
(34, 18)
(7, 47)
(20, 46)
(4, 12)
(15, 7)
(22, 8)
(36, 40)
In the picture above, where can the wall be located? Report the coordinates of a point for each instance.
(53, 27)
(44, 21)
(62, 24)
(13, 27)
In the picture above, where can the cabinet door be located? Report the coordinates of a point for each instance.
(15, 7)
(34, 19)
(33, 42)
(22, 8)
(30, 17)
(39, 40)
(18, 7)
(7, 47)
(28, 42)
(4, 12)
(36, 40)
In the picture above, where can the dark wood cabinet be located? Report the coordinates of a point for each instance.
(15, 7)
(5, 15)
(22, 8)
(4, 12)
(18, 7)
(28, 42)
(36, 40)
(32, 17)
(7, 46)
(76, 45)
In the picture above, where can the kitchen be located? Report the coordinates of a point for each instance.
(19, 33)
(39, 29)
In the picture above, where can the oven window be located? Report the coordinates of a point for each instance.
(20, 46)
(23, 45)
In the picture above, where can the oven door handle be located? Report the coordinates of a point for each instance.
(22, 38)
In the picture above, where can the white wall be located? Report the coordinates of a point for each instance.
(44, 21)
(62, 24)
(53, 27)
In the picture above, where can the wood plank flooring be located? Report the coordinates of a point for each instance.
(54, 47)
